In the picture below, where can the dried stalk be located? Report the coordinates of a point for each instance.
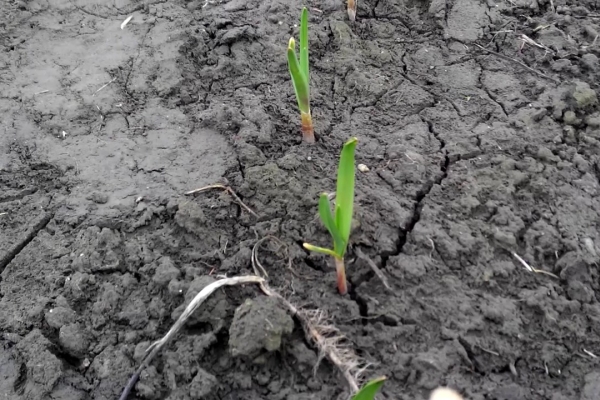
(155, 347)
(527, 67)
(227, 189)
(375, 268)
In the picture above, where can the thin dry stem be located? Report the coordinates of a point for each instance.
(226, 188)
(527, 67)
(326, 337)
(375, 268)
(155, 347)
(531, 269)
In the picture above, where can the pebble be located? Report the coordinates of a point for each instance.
(590, 31)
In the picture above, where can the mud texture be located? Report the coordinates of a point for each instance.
(479, 123)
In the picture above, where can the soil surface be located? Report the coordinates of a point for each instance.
(478, 121)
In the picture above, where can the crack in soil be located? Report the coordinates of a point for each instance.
(404, 232)
(19, 195)
(421, 196)
(21, 244)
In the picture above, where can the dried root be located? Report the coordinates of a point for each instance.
(326, 337)
(228, 190)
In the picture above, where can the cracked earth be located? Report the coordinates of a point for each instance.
(479, 123)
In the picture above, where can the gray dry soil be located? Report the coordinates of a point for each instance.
(480, 143)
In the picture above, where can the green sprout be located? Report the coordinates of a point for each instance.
(339, 227)
(300, 77)
(370, 389)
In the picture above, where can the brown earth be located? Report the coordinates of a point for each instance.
(480, 145)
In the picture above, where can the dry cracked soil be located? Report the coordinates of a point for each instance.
(478, 121)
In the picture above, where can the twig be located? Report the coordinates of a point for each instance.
(155, 347)
(226, 188)
(527, 39)
(375, 268)
(488, 351)
(287, 250)
(103, 86)
(325, 336)
(589, 353)
(517, 62)
(531, 269)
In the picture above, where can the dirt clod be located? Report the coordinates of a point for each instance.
(258, 324)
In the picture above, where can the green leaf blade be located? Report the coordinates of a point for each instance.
(344, 208)
(298, 79)
(318, 249)
(329, 222)
(304, 45)
(369, 391)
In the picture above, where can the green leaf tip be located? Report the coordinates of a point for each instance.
(317, 249)
(304, 44)
(370, 389)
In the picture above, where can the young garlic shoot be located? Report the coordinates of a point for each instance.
(351, 6)
(339, 226)
(299, 72)
(370, 389)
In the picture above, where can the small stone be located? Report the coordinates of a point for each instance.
(73, 340)
(591, 387)
(202, 385)
(545, 154)
(583, 95)
(99, 198)
(570, 118)
(590, 32)
(589, 245)
(505, 238)
(263, 378)
(165, 272)
(590, 61)
(593, 120)
(60, 316)
(258, 324)
(193, 5)
(363, 168)
(580, 292)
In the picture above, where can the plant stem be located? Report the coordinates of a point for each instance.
(340, 270)
(308, 133)
(352, 10)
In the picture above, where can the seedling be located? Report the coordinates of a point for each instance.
(351, 6)
(339, 226)
(300, 77)
(369, 391)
